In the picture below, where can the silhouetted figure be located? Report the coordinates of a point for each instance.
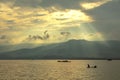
(95, 66)
(88, 66)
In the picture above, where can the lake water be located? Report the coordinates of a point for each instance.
(53, 70)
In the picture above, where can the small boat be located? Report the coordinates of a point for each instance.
(88, 66)
(63, 61)
(109, 59)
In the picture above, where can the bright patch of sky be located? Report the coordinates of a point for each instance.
(51, 21)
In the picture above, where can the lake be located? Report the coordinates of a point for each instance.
(53, 70)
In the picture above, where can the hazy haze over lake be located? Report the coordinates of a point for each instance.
(53, 70)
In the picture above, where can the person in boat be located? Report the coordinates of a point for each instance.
(95, 66)
(88, 66)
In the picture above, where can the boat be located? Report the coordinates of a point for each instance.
(88, 66)
(63, 61)
(109, 59)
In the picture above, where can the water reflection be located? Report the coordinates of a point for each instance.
(53, 70)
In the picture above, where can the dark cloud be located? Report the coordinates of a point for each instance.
(35, 37)
(46, 35)
(3, 37)
(61, 18)
(37, 21)
(48, 3)
(67, 4)
(39, 37)
(62, 3)
(107, 19)
(45, 32)
(7, 0)
(65, 33)
(39, 15)
(27, 3)
(10, 21)
(74, 4)
(91, 1)
(109, 11)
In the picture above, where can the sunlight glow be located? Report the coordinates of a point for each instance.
(92, 5)
(22, 22)
(88, 32)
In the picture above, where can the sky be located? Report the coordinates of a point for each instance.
(51, 21)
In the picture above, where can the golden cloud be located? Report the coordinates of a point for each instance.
(18, 23)
(92, 5)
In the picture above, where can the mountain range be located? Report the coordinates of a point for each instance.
(72, 49)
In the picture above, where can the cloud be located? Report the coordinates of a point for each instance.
(23, 17)
(27, 3)
(65, 4)
(39, 37)
(44, 3)
(65, 33)
(107, 19)
(6, 0)
(20, 18)
(88, 36)
(71, 15)
(92, 5)
(3, 36)
(34, 37)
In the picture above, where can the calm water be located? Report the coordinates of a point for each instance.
(53, 70)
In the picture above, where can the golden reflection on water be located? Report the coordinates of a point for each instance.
(53, 70)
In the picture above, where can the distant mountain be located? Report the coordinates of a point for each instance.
(73, 49)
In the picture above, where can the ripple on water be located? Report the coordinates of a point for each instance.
(53, 70)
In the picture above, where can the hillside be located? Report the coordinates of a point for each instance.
(73, 49)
